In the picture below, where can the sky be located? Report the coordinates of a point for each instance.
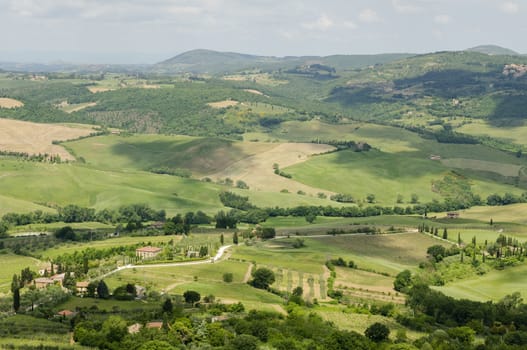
(149, 31)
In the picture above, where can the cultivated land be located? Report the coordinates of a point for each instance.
(32, 138)
(10, 103)
(257, 171)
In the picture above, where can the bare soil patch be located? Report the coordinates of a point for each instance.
(223, 104)
(35, 138)
(9, 103)
(256, 92)
(96, 89)
(70, 108)
(257, 170)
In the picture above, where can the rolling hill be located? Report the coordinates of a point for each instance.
(214, 62)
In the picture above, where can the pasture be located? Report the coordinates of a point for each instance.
(78, 184)
(15, 205)
(512, 134)
(35, 138)
(494, 285)
(202, 156)
(385, 175)
(14, 264)
(258, 170)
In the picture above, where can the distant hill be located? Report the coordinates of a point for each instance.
(493, 50)
(215, 62)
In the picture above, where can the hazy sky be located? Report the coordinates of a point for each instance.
(147, 31)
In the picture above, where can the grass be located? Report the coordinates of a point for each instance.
(15, 205)
(517, 134)
(202, 156)
(359, 322)
(167, 278)
(108, 305)
(70, 248)
(491, 286)
(77, 184)
(387, 254)
(17, 230)
(13, 264)
(383, 174)
(513, 213)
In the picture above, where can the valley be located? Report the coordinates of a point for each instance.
(364, 190)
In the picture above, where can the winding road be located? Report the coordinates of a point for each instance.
(217, 257)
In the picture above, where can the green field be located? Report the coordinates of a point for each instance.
(61, 184)
(13, 264)
(491, 286)
(142, 152)
(70, 248)
(385, 175)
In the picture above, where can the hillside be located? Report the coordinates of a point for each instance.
(493, 50)
(214, 62)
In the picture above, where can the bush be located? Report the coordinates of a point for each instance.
(227, 277)
(191, 297)
(377, 332)
(262, 278)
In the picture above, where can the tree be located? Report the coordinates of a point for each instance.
(377, 332)
(222, 239)
(403, 280)
(102, 290)
(262, 278)
(3, 229)
(445, 233)
(414, 198)
(15, 289)
(235, 238)
(438, 252)
(191, 297)
(227, 277)
(370, 198)
(267, 233)
(310, 218)
(245, 342)
(168, 307)
(65, 233)
(114, 329)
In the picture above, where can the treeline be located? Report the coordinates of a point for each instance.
(51, 158)
(343, 144)
(244, 211)
(134, 213)
(486, 318)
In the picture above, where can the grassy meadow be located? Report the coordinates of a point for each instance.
(494, 285)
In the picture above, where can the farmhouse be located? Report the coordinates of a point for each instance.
(452, 215)
(81, 288)
(147, 252)
(66, 313)
(43, 282)
(157, 325)
(58, 278)
(135, 328)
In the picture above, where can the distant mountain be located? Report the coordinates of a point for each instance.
(215, 62)
(493, 50)
(63, 67)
